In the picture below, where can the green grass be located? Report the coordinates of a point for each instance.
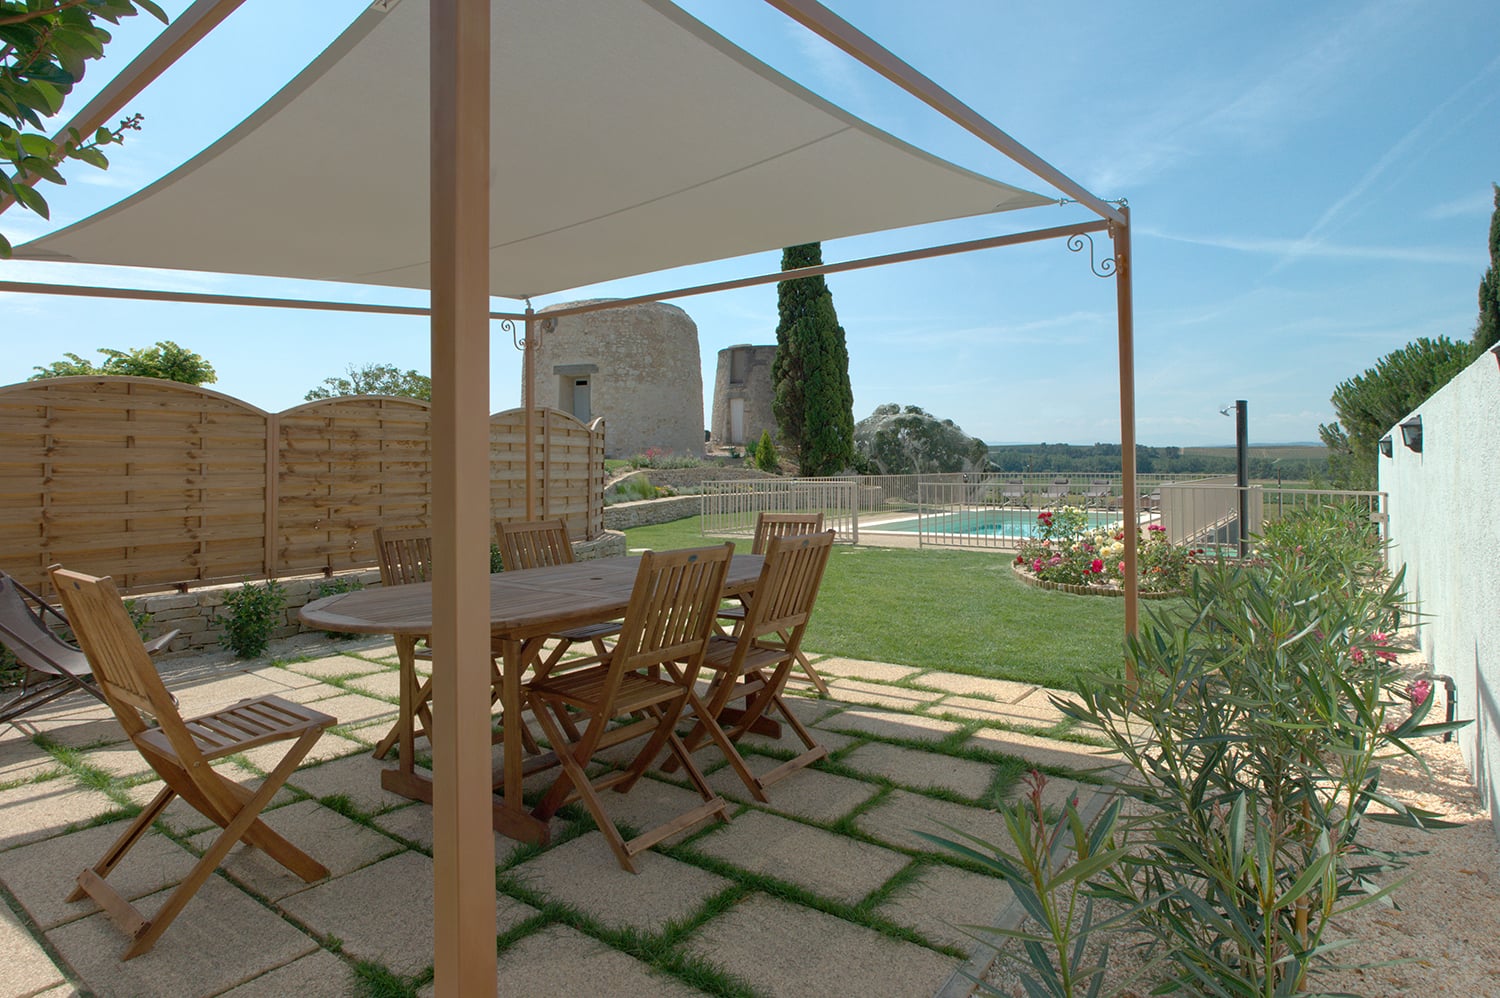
(959, 611)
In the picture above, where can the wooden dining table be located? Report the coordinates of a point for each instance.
(525, 607)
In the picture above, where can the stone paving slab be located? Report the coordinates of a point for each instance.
(583, 873)
(118, 760)
(311, 694)
(23, 759)
(831, 740)
(327, 836)
(649, 803)
(1002, 690)
(82, 731)
(1032, 711)
(319, 974)
(383, 912)
(356, 777)
(282, 675)
(334, 665)
(42, 874)
(807, 793)
(915, 768)
(815, 955)
(944, 898)
(1056, 793)
(891, 724)
(354, 709)
(900, 816)
(562, 961)
(204, 695)
(827, 864)
(35, 811)
(222, 938)
(1044, 751)
(873, 694)
(26, 968)
(330, 746)
(385, 684)
(414, 824)
(856, 669)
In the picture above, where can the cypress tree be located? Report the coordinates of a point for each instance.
(813, 402)
(1487, 332)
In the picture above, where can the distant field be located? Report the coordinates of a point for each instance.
(1316, 452)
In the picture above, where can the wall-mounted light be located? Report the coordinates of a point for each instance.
(1385, 446)
(1411, 433)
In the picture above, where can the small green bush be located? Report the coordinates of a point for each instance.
(765, 453)
(655, 457)
(249, 616)
(638, 487)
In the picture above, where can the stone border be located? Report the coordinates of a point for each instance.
(1077, 590)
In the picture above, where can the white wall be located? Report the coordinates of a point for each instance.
(1445, 527)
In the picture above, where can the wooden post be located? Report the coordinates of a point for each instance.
(1120, 233)
(463, 848)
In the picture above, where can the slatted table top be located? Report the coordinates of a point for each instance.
(530, 601)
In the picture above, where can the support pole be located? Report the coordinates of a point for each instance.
(528, 402)
(463, 849)
(1125, 316)
(1242, 471)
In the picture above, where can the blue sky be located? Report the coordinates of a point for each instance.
(1309, 185)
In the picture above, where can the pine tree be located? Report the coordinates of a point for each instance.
(813, 402)
(1487, 332)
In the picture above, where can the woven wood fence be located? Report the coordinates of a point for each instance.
(160, 484)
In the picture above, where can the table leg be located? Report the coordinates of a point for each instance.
(403, 779)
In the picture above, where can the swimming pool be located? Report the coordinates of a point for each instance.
(983, 522)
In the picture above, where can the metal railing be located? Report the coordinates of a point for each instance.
(1206, 514)
(986, 512)
(731, 507)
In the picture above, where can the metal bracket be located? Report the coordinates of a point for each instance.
(1102, 268)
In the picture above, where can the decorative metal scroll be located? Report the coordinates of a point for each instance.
(1101, 268)
(516, 339)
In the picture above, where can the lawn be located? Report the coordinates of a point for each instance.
(959, 611)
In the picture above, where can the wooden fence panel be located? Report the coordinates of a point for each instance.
(150, 481)
(161, 484)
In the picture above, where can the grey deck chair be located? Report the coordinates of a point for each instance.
(54, 668)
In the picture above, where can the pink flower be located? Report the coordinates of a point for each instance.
(1087, 546)
(1056, 560)
(1380, 638)
(1357, 654)
(1386, 656)
(1419, 691)
(1096, 566)
(1122, 568)
(1156, 528)
(1036, 566)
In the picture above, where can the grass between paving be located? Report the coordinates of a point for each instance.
(958, 611)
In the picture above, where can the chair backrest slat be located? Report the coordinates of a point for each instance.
(405, 555)
(121, 665)
(788, 585)
(769, 525)
(533, 544)
(671, 611)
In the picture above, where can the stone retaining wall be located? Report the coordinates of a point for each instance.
(645, 512)
(1081, 590)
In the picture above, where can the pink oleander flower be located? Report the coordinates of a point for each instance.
(1096, 566)
(1386, 656)
(1419, 691)
(1357, 654)
(1380, 638)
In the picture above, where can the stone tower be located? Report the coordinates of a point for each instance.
(637, 366)
(742, 395)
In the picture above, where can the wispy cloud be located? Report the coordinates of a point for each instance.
(838, 72)
(1478, 204)
(1283, 248)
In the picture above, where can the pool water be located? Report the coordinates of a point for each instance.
(985, 522)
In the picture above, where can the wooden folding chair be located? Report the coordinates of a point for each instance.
(182, 753)
(768, 526)
(538, 544)
(405, 555)
(668, 620)
(54, 668)
(753, 666)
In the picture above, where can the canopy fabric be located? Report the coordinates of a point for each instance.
(628, 138)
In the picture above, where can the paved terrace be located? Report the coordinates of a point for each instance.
(826, 891)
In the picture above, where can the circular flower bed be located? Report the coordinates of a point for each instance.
(1070, 555)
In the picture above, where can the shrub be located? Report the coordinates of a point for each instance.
(1067, 550)
(633, 488)
(250, 614)
(765, 453)
(655, 457)
(1252, 737)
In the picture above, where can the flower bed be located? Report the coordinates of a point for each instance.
(1069, 555)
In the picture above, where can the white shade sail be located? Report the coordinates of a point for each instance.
(627, 138)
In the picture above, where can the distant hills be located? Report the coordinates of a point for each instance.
(1289, 462)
